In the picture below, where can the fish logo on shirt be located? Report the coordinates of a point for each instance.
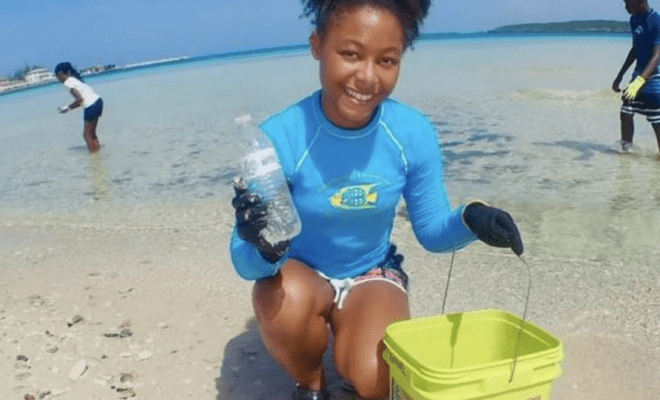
(358, 197)
(639, 30)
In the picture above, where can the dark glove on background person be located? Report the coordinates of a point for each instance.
(251, 218)
(493, 226)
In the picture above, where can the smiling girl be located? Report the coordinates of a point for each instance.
(350, 154)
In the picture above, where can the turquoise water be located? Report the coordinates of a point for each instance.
(527, 123)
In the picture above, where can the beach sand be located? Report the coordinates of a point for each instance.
(104, 295)
(93, 311)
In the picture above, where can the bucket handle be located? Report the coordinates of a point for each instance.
(524, 316)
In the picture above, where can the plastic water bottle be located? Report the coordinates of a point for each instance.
(261, 171)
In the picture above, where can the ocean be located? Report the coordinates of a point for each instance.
(527, 123)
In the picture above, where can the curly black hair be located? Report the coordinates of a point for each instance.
(410, 12)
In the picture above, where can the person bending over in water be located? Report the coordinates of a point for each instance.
(350, 153)
(643, 94)
(84, 96)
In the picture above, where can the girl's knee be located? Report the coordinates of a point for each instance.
(286, 303)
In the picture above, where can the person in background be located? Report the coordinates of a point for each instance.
(350, 153)
(643, 93)
(84, 96)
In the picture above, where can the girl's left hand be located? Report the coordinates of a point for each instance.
(493, 226)
(63, 109)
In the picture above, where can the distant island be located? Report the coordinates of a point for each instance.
(596, 26)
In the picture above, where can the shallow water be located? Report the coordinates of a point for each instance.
(528, 124)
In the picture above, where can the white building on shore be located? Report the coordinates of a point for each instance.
(39, 75)
(34, 78)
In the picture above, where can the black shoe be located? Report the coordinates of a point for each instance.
(308, 394)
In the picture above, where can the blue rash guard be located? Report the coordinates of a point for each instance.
(347, 184)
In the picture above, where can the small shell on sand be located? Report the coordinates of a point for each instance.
(77, 370)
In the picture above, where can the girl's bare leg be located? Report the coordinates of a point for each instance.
(359, 328)
(89, 134)
(292, 311)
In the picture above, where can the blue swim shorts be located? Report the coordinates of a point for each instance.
(94, 111)
(647, 101)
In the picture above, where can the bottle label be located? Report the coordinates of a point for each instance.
(260, 162)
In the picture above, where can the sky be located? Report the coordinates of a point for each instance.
(120, 32)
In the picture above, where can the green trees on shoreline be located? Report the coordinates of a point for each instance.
(595, 26)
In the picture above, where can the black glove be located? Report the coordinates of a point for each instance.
(493, 226)
(251, 219)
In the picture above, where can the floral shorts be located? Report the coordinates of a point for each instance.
(389, 270)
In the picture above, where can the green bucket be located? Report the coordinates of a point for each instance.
(485, 354)
(470, 355)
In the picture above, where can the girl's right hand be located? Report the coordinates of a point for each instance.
(63, 109)
(251, 219)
